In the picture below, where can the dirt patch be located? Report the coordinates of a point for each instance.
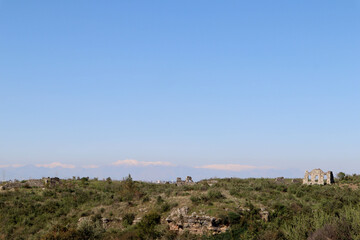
(351, 186)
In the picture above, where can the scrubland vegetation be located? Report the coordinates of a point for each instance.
(93, 209)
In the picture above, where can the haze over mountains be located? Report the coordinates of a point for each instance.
(147, 173)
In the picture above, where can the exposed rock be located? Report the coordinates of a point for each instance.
(83, 219)
(105, 222)
(264, 214)
(212, 182)
(179, 220)
(29, 183)
(209, 182)
(12, 185)
(280, 180)
(40, 183)
(143, 210)
(137, 220)
(296, 180)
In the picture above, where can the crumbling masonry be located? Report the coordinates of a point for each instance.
(188, 181)
(317, 176)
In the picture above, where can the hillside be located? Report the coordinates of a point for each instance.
(210, 209)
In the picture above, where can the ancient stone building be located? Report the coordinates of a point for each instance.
(317, 176)
(51, 182)
(187, 181)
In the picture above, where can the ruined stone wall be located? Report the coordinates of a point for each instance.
(330, 178)
(29, 183)
(317, 177)
(187, 181)
(35, 183)
(179, 220)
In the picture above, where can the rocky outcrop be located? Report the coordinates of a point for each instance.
(26, 184)
(280, 180)
(37, 183)
(264, 214)
(105, 222)
(87, 220)
(12, 185)
(137, 220)
(296, 180)
(179, 220)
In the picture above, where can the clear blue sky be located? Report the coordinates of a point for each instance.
(262, 83)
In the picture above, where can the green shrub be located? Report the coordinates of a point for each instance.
(146, 199)
(165, 207)
(89, 230)
(159, 200)
(96, 218)
(146, 228)
(200, 199)
(234, 218)
(215, 195)
(195, 199)
(341, 175)
(128, 219)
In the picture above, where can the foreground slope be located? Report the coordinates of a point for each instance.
(209, 209)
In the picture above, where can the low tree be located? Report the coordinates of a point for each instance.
(146, 228)
(108, 180)
(341, 175)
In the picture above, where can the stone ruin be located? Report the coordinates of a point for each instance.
(280, 180)
(26, 184)
(318, 177)
(180, 220)
(37, 183)
(187, 181)
(51, 182)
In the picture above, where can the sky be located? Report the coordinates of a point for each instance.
(246, 88)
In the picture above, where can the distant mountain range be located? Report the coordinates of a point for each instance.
(147, 173)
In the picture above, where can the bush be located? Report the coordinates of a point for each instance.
(60, 232)
(200, 199)
(341, 175)
(108, 180)
(159, 200)
(234, 218)
(340, 230)
(165, 207)
(195, 199)
(128, 219)
(146, 228)
(146, 199)
(215, 195)
(89, 230)
(129, 190)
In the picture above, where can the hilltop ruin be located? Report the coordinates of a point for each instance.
(187, 181)
(318, 177)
